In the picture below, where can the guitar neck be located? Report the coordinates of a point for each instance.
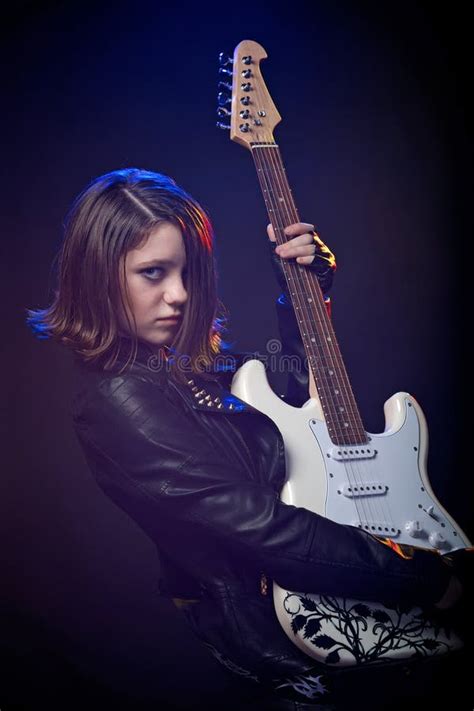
(322, 350)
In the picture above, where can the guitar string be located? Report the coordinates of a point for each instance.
(279, 228)
(339, 432)
(276, 172)
(376, 505)
(269, 191)
(380, 516)
(329, 339)
(274, 152)
(381, 511)
(301, 306)
(351, 473)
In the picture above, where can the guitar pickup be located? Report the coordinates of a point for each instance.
(342, 454)
(353, 491)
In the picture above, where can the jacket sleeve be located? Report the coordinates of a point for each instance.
(140, 442)
(324, 266)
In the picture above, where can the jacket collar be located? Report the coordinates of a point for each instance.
(208, 395)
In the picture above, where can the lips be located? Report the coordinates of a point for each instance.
(171, 319)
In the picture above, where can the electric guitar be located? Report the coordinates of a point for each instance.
(377, 482)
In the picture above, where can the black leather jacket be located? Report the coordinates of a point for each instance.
(203, 482)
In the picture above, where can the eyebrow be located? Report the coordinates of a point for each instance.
(154, 263)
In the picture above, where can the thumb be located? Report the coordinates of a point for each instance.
(271, 232)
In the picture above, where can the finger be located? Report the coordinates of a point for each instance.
(296, 250)
(298, 241)
(271, 232)
(298, 228)
(305, 260)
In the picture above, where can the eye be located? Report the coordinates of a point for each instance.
(152, 273)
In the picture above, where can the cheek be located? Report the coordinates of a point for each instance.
(143, 296)
(132, 296)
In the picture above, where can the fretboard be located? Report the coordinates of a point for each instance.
(322, 349)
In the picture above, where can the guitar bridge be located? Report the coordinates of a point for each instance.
(378, 528)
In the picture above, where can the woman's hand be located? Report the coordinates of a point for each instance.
(303, 245)
(307, 248)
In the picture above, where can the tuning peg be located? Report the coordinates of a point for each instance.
(223, 99)
(225, 85)
(225, 59)
(223, 112)
(225, 72)
(222, 125)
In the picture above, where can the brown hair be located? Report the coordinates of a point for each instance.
(113, 215)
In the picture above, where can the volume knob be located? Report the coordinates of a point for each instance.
(436, 539)
(413, 528)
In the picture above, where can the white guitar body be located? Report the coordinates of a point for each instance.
(381, 487)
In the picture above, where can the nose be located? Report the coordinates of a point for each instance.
(175, 292)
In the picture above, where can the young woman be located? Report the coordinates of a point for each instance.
(198, 469)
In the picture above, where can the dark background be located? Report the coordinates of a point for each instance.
(375, 140)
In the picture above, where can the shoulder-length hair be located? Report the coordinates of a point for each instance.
(114, 214)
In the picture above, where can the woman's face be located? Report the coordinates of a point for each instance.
(155, 274)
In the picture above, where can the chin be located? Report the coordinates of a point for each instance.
(156, 341)
(156, 337)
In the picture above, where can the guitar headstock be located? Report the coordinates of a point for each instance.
(246, 101)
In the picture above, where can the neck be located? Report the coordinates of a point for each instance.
(322, 350)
